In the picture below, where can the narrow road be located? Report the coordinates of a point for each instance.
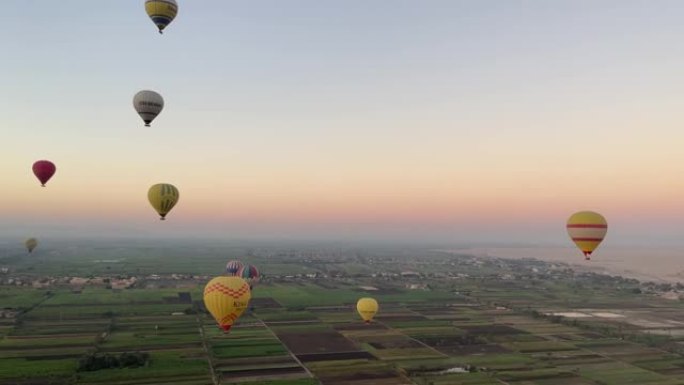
(214, 380)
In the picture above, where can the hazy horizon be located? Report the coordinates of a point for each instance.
(438, 121)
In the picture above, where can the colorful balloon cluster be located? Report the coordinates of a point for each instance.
(227, 297)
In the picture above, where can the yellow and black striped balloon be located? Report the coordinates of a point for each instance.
(163, 197)
(162, 12)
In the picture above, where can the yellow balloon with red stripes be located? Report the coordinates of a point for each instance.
(587, 229)
(227, 298)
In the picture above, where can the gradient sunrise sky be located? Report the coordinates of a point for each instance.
(358, 119)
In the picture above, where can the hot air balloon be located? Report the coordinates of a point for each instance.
(587, 229)
(31, 244)
(162, 12)
(250, 274)
(367, 307)
(163, 197)
(226, 298)
(148, 104)
(232, 268)
(44, 170)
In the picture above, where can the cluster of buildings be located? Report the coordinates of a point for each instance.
(72, 282)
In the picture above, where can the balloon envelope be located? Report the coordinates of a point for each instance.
(162, 12)
(587, 229)
(250, 274)
(226, 298)
(367, 308)
(163, 197)
(31, 244)
(44, 170)
(232, 267)
(148, 104)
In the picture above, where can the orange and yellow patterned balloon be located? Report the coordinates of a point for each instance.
(587, 229)
(226, 298)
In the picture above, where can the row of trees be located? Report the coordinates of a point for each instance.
(93, 361)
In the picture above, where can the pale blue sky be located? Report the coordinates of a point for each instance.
(365, 103)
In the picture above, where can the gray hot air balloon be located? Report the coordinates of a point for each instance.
(148, 104)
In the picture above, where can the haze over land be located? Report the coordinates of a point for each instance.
(644, 263)
(658, 263)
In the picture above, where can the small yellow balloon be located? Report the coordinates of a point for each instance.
(226, 298)
(367, 307)
(31, 244)
(587, 229)
(162, 12)
(163, 197)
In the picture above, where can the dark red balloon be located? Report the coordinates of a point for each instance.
(44, 170)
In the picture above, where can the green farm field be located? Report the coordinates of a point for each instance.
(302, 327)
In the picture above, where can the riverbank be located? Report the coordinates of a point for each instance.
(644, 264)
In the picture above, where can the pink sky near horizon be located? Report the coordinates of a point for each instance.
(506, 122)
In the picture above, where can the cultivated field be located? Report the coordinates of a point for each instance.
(304, 330)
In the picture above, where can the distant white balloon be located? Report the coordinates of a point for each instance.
(148, 104)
